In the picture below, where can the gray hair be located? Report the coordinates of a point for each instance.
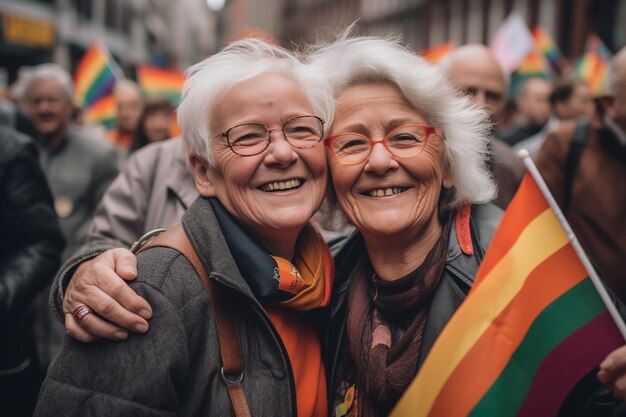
(47, 72)
(361, 60)
(238, 62)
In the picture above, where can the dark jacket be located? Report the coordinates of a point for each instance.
(589, 398)
(174, 369)
(30, 247)
(31, 240)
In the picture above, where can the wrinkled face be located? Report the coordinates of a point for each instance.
(129, 107)
(48, 106)
(157, 126)
(275, 193)
(386, 195)
(482, 79)
(534, 103)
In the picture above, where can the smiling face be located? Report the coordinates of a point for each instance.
(275, 193)
(386, 195)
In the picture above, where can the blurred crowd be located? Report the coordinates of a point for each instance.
(54, 172)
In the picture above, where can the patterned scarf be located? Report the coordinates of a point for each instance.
(385, 327)
(302, 285)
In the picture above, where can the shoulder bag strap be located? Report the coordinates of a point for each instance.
(573, 157)
(229, 343)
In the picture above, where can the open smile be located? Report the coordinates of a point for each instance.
(384, 192)
(282, 185)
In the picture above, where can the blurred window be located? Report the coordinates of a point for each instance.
(84, 9)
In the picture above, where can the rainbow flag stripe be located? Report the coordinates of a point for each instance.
(593, 66)
(546, 45)
(160, 82)
(521, 336)
(534, 65)
(94, 77)
(103, 112)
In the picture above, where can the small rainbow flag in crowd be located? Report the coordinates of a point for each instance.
(102, 112)
(160, 82)
(95, 76)
(593, 66)
(546, 45)
(534, 65)
(533, 325)
(436, 53)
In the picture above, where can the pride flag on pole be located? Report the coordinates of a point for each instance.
(546, 45)
(95, 76)
(593, 66)
(160, 82)
(102, 112)
(536, 321)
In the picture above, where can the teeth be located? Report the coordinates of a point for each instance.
(282, 185)
(382, 192)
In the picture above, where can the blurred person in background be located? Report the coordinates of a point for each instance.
(584, 165)
(476, 72)
(129, 104)
(78, 170)
(570, 99)
(533, 110)
(30, 249)
(155, 123)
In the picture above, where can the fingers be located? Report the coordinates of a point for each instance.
(613, 372)
(117, 307)
(100, 328)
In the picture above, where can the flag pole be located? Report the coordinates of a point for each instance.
(593, 275)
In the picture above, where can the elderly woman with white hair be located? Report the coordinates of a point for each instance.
(253, 121)
(407, 154)
(407, 158)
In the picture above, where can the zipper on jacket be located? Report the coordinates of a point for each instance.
(259, 308)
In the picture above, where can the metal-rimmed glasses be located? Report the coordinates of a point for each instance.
(402, 142)
(248, 139)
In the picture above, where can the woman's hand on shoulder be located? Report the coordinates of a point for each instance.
(113, 308)
(613, 372)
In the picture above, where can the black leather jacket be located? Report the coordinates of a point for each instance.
(590, 398)
(30, 238)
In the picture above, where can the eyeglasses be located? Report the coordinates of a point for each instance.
(248, 139)
(401, 142)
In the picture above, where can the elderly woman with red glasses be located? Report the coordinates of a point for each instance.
(407, 158)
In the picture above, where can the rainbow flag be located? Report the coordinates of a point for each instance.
(546, 45)
(161, 82)
(593, 66)
(95, 76)
(531, 327)
(533, 66)
(103, 112)
(436, 53)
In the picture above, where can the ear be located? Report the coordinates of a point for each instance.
(201, 175)
(446, 179)
(606, 102)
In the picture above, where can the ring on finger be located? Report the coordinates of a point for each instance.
(81, 312)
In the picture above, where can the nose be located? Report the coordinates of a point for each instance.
(280, 151)
(380, 160)
(480, 98)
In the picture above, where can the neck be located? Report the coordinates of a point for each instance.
(395, 256)
(281, 243)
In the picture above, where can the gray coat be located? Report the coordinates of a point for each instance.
(174, 369)
(79, 172)
(153, 191)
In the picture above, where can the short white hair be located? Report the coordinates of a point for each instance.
(47, 72)
(363, 60)
(238, 62)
